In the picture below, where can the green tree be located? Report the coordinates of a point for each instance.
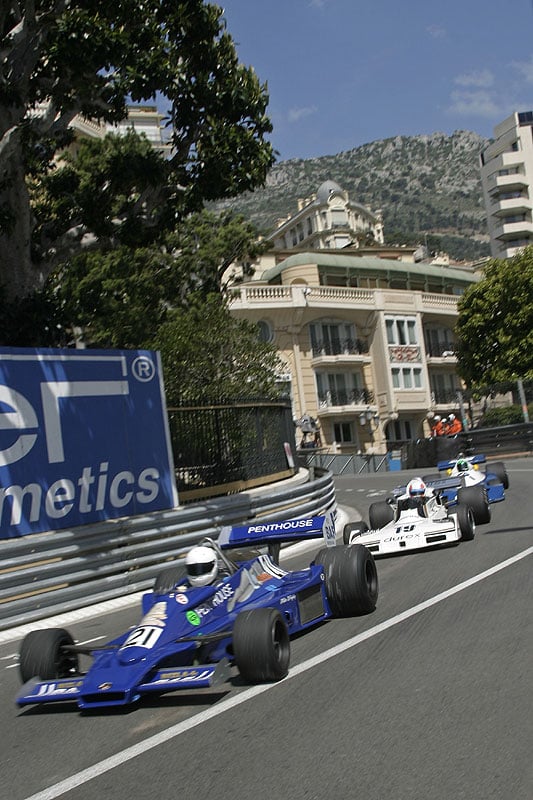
(206, 353)
(120, 296)
(495, 324)
(61, 58)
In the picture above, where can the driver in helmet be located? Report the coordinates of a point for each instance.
(462, 464)
(416, 496)
(201, 564)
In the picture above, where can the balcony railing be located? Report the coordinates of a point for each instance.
(336, 347)
(444, 396)
(345, 397)
(440, 350)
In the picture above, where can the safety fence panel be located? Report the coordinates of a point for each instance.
(54, 572)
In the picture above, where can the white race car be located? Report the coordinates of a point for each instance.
(403, 524)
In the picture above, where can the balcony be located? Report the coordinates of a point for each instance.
(440, 350)
(444, 397)
(339, 350)
(339, 401)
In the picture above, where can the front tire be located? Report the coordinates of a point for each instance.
(498, 469)
(466, 521)
(261, 645)
(352, 529)
(351, 579)
(43, 655)
(379, 515)
(476, 498)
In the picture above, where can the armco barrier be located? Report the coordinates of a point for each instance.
(50, 573)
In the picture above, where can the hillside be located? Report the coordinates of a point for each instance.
(425, 185)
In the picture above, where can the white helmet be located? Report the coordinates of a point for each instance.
(416, 487)
(436, 418)
(201, 564)
(451, 417)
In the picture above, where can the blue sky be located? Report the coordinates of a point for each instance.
(341, 73)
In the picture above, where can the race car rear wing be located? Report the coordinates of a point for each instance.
(479, 459)
(290, 530)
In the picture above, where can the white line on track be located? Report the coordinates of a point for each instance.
(141, 748)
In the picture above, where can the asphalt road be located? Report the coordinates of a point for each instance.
(428, 697)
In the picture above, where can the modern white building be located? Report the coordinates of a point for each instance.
(507, 180)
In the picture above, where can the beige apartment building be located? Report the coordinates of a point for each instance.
(507, 178)
(367, 341)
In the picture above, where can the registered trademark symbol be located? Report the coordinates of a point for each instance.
(143, 368)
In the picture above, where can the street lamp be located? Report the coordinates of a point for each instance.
(368, 417)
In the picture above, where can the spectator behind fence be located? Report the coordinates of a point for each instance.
(453, 425)
(437, 428)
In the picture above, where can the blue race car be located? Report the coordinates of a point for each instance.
(191, 634)
(467, 483)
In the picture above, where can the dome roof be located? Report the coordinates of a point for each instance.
(325, 189)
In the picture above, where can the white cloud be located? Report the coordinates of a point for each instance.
(525, 68)
(296, 114)
(481, 78)
(479, 104)
(436, 31)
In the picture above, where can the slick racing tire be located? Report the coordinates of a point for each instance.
(353, 529)
(498, 469)
(476, 498)
(379, 515)
(261, 645)
(169, 578)
(43, 655)
(467, 525)
(351, 579)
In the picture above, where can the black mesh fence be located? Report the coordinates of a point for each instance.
(219, 443)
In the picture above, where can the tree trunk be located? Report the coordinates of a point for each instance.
(17, 274)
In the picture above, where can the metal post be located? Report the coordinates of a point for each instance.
(464, 419)
(522, 396)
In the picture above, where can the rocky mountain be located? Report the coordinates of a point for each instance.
(428, 188)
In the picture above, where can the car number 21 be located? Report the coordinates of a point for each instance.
(144, 636)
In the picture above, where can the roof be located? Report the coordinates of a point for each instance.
(325, 258)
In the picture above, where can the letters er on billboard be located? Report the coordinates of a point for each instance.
(83, 437)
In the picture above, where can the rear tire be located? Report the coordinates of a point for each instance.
(476, 498)
(379, 515)
(498, 469)
(351, 579)
(466, 521)
(42, 655)
(261, 645)
(355, 528)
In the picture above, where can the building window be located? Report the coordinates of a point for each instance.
(335, 338)
(406, 377)
(341, 389)
(439, 342)
(443, 388)
(399, 431)
(401, 330)
(266, 332)
(343, 433)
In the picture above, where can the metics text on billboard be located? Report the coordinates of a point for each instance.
(83, 437)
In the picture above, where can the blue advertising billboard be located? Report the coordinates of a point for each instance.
(83, 437)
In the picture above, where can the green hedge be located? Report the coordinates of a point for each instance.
(508, 415)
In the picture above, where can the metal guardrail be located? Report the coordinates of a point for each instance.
(50, 573)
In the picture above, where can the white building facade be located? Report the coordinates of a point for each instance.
(507, 179)
(328, 220)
